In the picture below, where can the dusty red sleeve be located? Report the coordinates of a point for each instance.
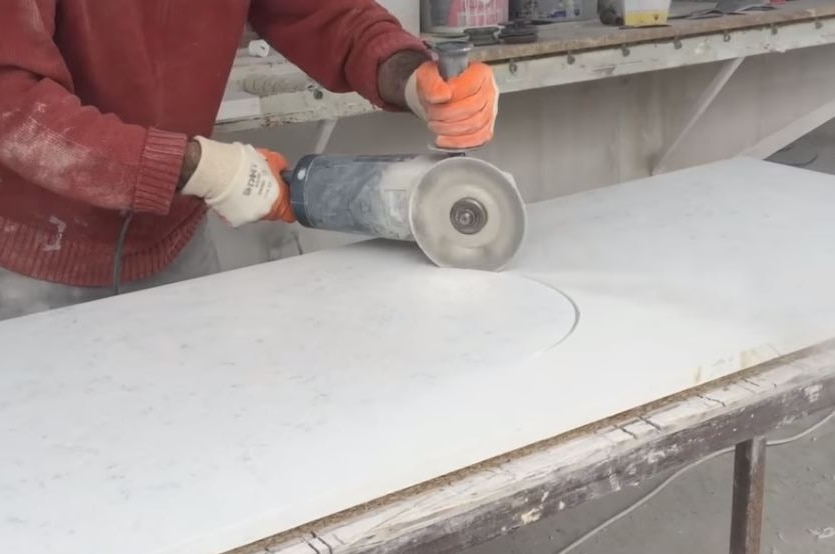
(48, 137)
(340, 44)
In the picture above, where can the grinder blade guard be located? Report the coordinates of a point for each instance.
(462, 212)
(466, 213)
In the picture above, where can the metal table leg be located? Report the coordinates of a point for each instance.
(749, 492)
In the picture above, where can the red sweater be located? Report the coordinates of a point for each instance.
(98, 97)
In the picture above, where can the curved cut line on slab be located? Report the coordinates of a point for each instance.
(350, 324)
(568, 299)
(333, 356)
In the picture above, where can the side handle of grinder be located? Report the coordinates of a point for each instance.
(453, 60)
(453, 57)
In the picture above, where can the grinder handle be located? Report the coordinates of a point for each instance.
(453, 57)
(453, 60)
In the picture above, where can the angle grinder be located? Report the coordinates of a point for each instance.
(462, 212)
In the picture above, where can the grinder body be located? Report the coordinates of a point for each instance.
(461, 211)
(368, 195)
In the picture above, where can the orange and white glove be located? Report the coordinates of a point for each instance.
(461, 112)
(240, 183)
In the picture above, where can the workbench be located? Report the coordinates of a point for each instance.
(566, 53)
(506, 493)
(593, 104)
(360, 400)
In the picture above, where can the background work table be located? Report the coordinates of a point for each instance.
(562, 38)
(566, 53)
(177, 421)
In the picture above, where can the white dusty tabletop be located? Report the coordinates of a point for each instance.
(199, 417)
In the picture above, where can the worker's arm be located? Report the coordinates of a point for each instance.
(358, 45)
(48, 137)
(339, 44)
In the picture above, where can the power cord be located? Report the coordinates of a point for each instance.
(796, 164)
(118, 254)
(654, 492)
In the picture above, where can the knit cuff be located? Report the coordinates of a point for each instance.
(159, 171)
(365, 80)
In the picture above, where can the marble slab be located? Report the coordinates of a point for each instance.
(199, 417)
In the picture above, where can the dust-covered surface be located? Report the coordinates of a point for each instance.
(692, 516)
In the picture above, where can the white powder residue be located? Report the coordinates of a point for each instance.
(55, 245)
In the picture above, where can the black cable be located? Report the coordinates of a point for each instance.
(804, 164)
(663, 485)
(789, 148)
(117, 256)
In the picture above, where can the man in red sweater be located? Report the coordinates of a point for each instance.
(105, 171)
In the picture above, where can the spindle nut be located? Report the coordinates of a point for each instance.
(468, 216)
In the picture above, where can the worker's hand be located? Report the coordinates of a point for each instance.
(242, 184)
(461, 112)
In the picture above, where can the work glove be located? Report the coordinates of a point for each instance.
(240, 183)
(461, 112)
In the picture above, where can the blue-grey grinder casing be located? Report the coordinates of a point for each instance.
(463, 212)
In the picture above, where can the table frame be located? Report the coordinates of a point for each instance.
(498, 496)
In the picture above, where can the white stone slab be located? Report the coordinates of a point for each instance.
(199, 417)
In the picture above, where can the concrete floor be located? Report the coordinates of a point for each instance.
(692, 516)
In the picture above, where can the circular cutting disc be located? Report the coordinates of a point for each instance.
(465, 213)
